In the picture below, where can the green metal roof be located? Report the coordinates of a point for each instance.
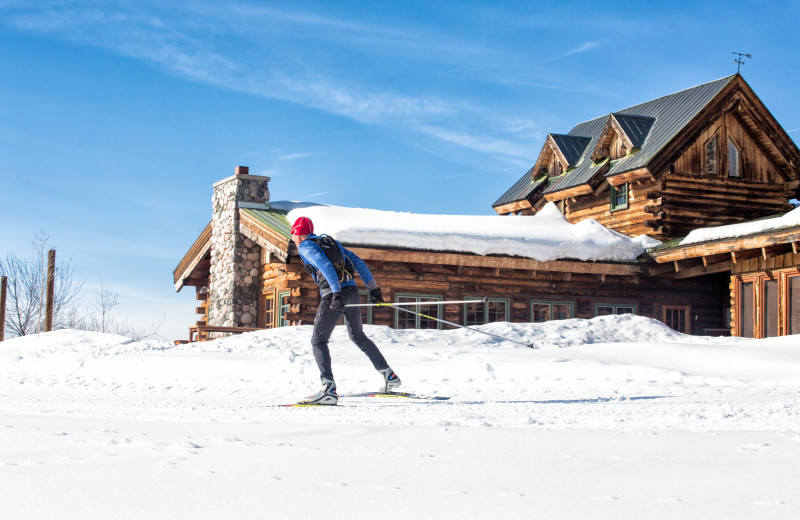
(273, 219)
(650, 126)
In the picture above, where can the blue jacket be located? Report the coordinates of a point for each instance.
(312, 255)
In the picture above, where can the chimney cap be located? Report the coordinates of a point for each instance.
(242, 170)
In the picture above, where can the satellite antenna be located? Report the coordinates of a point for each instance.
(739, 61)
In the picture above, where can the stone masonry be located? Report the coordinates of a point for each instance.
(235, 259)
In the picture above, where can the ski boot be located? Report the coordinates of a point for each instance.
(390, 380)
(327, 395)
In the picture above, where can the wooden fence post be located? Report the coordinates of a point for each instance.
(51, 276)
(3, 285)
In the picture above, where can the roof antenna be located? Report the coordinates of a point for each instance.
(739, 61)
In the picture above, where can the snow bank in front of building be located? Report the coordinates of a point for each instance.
(544, 237)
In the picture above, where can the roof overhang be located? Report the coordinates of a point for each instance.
(254, 226)
(498, 261)
(715, 256)
(192, 267)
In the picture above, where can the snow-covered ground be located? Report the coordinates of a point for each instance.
(610, 418)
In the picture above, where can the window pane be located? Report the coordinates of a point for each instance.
(496, 312)
(794, 305)
(474, 313)
(624, 309)
(541, 312)
(604, 310)
(771, 315)
(733, 159)
(406, 320)
(746, 323)
(562, 311)
(675, 317)
(711, 157)
(366, 312)
(430, 310)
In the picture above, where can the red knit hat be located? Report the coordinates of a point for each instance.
(303, 226)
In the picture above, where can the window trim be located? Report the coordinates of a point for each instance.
(614, 194)
(535, 301)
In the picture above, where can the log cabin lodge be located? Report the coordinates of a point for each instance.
(709, 162)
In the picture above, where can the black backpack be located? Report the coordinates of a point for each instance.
(343, 266)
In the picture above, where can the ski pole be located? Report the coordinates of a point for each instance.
(482, 300)
(529, 345)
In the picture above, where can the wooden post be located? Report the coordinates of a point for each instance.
(51, 276)
(3, 285)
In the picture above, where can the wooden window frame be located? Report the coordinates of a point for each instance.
(505, 301)
(533, 302)
(687, 308)
(614, 197)
(418, 319)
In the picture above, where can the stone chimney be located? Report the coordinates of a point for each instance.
(235, 259)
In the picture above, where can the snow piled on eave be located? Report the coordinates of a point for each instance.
(743, 229)
(544, 237)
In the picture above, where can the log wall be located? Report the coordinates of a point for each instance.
(705, 295)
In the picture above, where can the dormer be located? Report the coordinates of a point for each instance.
(559, 154)
(622, 135)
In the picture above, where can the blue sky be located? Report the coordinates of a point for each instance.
(117, 117)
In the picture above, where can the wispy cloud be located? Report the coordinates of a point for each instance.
(295, 156)
(303, 58)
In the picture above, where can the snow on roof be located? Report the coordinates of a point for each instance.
(544, 237)
(743, 229)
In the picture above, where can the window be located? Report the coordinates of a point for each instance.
(677, 318)
(711, 157)
(410, 320)
(767, 304)
(604, 309)
(542, 311)
(480, 312)
(793, 304)
(366, 312)
(745, 315)
(733, 159)
(770, 308)
(619, 197)
(283, 307)
(268, 304)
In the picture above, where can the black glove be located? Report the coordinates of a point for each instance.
(336, 303)
(375, 296)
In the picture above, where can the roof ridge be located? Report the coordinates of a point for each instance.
(725, 78)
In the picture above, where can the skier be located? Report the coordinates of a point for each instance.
(333, 268)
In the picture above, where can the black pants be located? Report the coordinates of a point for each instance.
(323, 327)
